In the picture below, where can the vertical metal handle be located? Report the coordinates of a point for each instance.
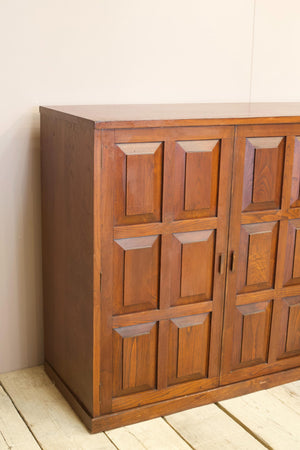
(221, 263)
(233, 261)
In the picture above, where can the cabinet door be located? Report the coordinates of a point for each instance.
(261, 328)
(165, 224)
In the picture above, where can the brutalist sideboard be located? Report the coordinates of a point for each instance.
(171, 255)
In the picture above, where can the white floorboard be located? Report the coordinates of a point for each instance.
(50, 418)
(33, 414)
(14, 433)
(208, 427)
(153, 434)
(272, 415)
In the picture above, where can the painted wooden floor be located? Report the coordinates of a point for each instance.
(33, 415)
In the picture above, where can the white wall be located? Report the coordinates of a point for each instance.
(115, 51)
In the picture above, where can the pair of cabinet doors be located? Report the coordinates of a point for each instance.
(200, 259)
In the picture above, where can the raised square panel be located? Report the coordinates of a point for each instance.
(134, 358)
(257, 255)
(252, 334)
(258, 270)
(290, 323)
(293, 329)
(197, 178)
(193, 261)
(295, 190)
(138, 182)
(292, 258)
(189, 339)
(263, 171)
(136, 274)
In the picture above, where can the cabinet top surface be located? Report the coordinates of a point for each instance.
(108, 116)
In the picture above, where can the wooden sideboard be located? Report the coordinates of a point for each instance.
(171, 254)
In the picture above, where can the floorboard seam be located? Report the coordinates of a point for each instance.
(21, 415)
(241, 424)
(135, 437)
(112, 442)
(177, 432)
(8, 446)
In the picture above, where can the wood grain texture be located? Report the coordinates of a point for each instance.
(289, 344)
(53, 423)
(13, 430)
(136, 274)
(257, 256)
(288, 394)
(67, 227)
(295, 187)
(268, 417)
(201, 174)
(296, 268)
(196, 277)
(195, 280)
(196, 171)
(3, 445)
(255, 333)
(189, 340)
(134, 358)
(217, 430)
(258, 270)
(97, 271)
(137, 182)
(162, 314)
(292, 254)
(152, 434)
(173, 134)
(189, 114)
(105, 345)
(263, 173)
(197, 181)
(293, 331)
(264, 183)
(165, 228)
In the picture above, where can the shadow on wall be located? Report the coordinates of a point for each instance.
(21, 329)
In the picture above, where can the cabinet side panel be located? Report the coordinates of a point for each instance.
(67, 217)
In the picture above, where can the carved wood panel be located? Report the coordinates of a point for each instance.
(134, 358)
(290, 327)
(192, 266)
(189, 339)
(136, 274)
(263, 171)
(197, 178)
(257, 256)
(295, 189)
(292, 256)
(138, 182)
(252, 325)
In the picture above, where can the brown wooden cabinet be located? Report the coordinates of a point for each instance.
(171, 255)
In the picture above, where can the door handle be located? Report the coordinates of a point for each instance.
(221, 263)
(233, 261)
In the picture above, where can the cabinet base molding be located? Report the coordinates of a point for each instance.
(146, 412)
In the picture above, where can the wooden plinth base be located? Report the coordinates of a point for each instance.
(118, 419)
